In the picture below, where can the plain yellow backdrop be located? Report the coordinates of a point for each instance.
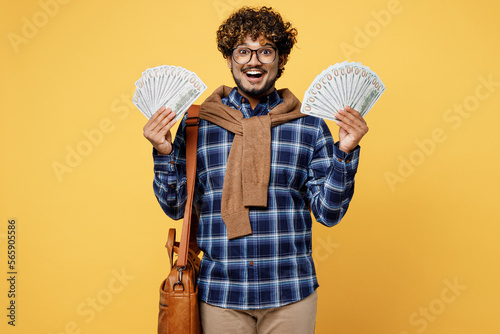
(418, 249)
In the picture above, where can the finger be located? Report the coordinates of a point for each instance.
(353, 118)
(151, 129)
(358, 116)
(162, 117)
(163, 133)
(163, 122)
(353, 130)
(157, 114)
(349, 120)
(347, 127)
(154, 119)
(353, 111)
(353, 114)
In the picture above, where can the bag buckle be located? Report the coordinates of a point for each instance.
(192, 121)
(179, 282)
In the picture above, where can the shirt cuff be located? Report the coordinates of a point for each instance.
(164, 163)
(347, 162)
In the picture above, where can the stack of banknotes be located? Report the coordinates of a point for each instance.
(343, 84)
(170, 86)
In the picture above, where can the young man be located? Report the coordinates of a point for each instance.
(262, 168)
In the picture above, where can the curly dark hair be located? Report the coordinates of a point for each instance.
(256, 22)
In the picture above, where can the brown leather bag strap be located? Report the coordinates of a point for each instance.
(191, 147)
(171, 245)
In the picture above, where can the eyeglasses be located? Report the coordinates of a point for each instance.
(265, 55)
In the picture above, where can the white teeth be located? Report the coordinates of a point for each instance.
(254, 72)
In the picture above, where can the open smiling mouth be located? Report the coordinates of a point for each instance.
(254, 73)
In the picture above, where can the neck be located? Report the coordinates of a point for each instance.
(254, 99)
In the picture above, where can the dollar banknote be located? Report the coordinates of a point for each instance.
(343, 84)
(170, 86)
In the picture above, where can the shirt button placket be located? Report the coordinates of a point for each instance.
(254, 274)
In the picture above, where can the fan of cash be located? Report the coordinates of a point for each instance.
(170, 86)
(343, 84)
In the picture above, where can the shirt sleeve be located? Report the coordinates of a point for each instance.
(170, 177)
(331, 179)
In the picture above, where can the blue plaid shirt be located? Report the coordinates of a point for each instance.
(273, 266)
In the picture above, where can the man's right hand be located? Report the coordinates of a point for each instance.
(157, 130)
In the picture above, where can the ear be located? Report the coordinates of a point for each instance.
(282, 61)
(229, 62)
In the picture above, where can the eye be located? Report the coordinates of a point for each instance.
(266, 51)
(242, 52)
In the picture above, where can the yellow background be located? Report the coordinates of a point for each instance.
(424, 214)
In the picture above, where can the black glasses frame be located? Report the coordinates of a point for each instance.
(256, 54)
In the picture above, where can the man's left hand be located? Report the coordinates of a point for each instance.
(352, 127)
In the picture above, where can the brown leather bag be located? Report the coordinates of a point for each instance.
(179, 309)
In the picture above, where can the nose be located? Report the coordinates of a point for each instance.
(254, 59)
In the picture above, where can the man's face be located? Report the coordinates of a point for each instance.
(254, 79)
